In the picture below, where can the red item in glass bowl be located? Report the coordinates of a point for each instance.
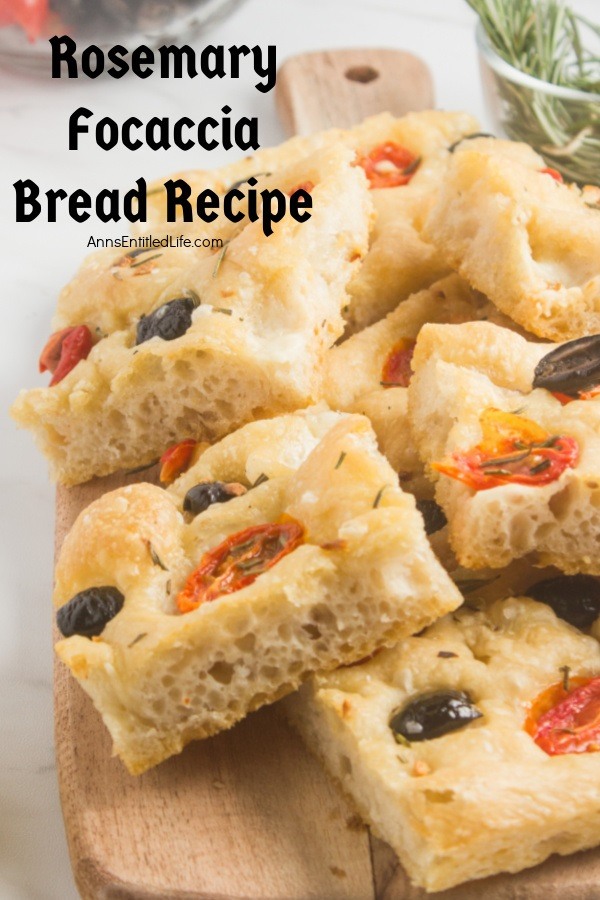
(31, 15)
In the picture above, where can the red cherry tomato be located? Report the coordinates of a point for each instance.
(238, 561)
(176, 460)
(64, 349)
(514, 450)
(553, 173)
(396, 371)
(50, 355)
(583, 395)
(389, 165)
(567, 721)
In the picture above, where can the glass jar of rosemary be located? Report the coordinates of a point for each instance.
(541, 80)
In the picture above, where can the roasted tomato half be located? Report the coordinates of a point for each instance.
(396, 371)
(567, 720)
(514, 450)
(389, 165)
(64, 349)
(176, 460)
(553, 173)
(238, 561)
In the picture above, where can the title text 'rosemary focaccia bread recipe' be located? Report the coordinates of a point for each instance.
(287, 548)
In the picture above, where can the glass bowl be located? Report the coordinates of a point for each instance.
(105, 23)
(561, 123)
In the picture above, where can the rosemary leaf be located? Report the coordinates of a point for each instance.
(220, 259)
(377, 500)
(341, 459)
(142, 262)
(156, 558)
(139, 637)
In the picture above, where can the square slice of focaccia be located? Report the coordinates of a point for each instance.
(287, 548)
(369, 373)
(454, 745)
(530, 243)
(517, 467)
(400, 261)
(195, 346)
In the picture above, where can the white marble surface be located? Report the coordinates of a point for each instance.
(37, 258)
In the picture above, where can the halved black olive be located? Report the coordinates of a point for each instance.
(169, 321)
(574, 598)
(88, 612)
(203, 495)
(469, 137)
(433, 715)
(433, 514)
(570, 368)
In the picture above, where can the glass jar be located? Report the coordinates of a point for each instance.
(25, 25)
(561, 123)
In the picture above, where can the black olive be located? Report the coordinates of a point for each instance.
(433, 514)
(433, 715)
(570, 368)
(574, 598)
(168, 322)
(89, 611)
(203, 495)
(469, 137)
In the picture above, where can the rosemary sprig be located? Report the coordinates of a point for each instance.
(546, 40)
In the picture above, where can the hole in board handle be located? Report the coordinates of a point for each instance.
(362, 74)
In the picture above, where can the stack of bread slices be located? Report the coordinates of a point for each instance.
(379, 485)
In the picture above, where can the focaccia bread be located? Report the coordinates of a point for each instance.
(517, 468)
(464, 785)
(400, 261)
(530, 243)
(286, 549)
(369, 373)
(244, 339)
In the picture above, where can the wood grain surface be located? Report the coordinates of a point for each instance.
(249, 814)
(341, 87)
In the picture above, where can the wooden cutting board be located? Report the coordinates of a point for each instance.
(249, 814)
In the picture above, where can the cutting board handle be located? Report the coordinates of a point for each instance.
(338, 88)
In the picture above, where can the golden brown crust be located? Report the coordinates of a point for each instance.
(552, 524)
(267, 314)
(485, 798)
(353, 369)
(400, 261)
(161, 679)
(529, 243)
